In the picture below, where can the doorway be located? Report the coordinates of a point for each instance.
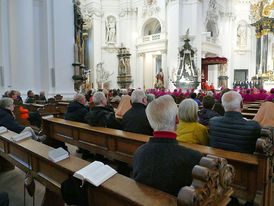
(240, 75)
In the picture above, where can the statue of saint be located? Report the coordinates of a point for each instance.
(160, 79)
(111, 30)
(241, 35)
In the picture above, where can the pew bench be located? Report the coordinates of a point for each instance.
(210, 186)
(253, 178)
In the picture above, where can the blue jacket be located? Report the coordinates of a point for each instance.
(7, 120)
(232, 132)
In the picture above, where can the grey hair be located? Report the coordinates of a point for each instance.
(231, 100)
(98, 97)
(150, 98)
(123, 91)
(188, 110)
(161, 113)
(79, 97)
(137, 96)
(5, 102)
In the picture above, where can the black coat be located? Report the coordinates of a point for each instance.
(205, 115)
(30, 100)
(232, 132)
(76, 112)
(135, 120)
(102, 117)
(163, 164)
(7, 120)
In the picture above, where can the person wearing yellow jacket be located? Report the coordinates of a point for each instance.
(188, 129)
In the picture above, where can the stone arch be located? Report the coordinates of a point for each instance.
(151, 26)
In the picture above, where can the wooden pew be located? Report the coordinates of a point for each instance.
(210, 186)
(253, 171)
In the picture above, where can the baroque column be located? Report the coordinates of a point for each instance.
(21, 27)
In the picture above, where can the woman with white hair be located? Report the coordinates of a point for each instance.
(189, 130)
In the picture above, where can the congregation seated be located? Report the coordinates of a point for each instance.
(233, 132)
(124, 104)
(19, 98)
(115, 96)
(218, 105)
(102, 115)
(4, 199)
(161, 162)
(76, 110)
(30, 98)
(265, 115)
(193, 96)
(135, 119)
(7, 118)
(189, 130)
(42, 96)
(206, 112)
(13, 94)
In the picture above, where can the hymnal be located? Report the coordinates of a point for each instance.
(21, 136)
(3, 129)
(58, 154)
(96, 173)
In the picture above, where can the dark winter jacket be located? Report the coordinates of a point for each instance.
(76, 112)
(163, 164)
(30, 100)
(102, 117)
(205, 115)
(135, 120)
(7, 120)
(232, 132)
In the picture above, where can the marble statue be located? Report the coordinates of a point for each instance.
(241, 35)
(111, 30)
(160, 79)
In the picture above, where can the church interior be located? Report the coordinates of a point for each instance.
(91, 76)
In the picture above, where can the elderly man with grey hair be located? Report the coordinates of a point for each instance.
(231, 131)
(161, 162)
(76, 110)
(101, 115)
(135, 119)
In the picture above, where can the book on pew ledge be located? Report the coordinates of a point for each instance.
(21, 136)
(3, 129)
(96, 173)
(58, 154)
(47, 116)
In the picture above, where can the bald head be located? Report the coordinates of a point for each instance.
(79, 98)
(232, 101)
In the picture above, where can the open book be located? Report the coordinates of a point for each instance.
(96, 173)
(58, 154)
(3, 129)
(21, 136)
